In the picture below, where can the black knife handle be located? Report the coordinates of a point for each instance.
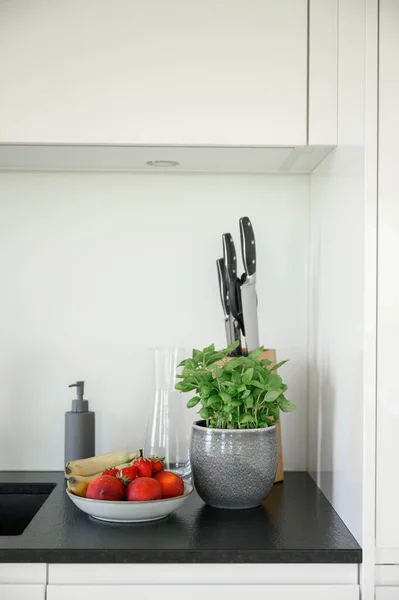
(229, 255)
(222, 286)
(248, 246)
(232, 281)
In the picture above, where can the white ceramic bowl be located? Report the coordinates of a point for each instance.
(130, 512)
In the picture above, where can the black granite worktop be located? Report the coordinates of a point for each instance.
(296, 524)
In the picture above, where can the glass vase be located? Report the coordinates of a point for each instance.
(167, 434)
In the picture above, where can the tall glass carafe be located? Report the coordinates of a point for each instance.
(167, 434)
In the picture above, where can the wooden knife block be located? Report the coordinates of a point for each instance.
(271, 355)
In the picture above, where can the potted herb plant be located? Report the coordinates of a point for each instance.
(234, 447)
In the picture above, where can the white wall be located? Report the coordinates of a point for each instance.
(97, 268)
(336, 305)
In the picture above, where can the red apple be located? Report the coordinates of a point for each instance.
(106, 487)
(143, 488)
(171, 484)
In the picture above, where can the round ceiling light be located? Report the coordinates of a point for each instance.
(162, 163)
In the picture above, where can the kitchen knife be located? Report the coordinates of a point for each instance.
(248, 285)
(233, 287)
(228, 318)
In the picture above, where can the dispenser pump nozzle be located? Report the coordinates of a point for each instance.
(79, 405)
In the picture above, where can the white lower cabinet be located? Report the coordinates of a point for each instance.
(14, 591)
(205, 575)
(210, 581)
(199, 592)
(23, 581)
(387, 593)
(387, 582)
(179, 582)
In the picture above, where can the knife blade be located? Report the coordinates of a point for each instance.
(248, 285)
(233, 287)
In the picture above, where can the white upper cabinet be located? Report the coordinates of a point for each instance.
(387, 518)
(171, 72)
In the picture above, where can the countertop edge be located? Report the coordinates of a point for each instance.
(71, 556)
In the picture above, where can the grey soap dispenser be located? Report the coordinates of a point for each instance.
(79, 427)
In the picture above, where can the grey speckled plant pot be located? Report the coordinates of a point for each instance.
(233, 468)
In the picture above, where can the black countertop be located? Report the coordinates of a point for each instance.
(296, 524)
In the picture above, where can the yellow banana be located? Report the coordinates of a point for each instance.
(97, 464)
(89, 478)
(77, 487)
